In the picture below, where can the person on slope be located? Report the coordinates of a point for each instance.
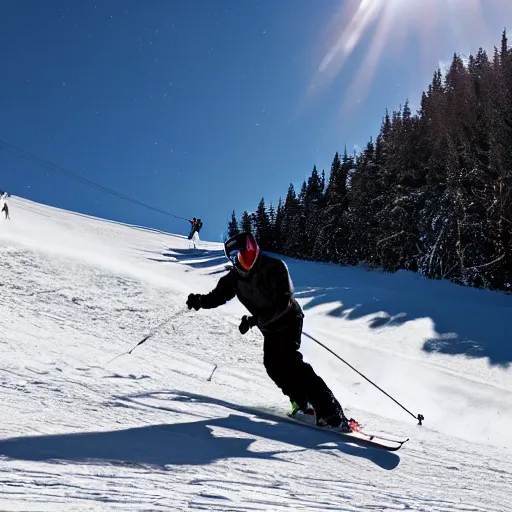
(5, 209)
(193, 228)
(263, 285)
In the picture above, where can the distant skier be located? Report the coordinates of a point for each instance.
(197, 224)
(263, 285)
(193, 228)
(5, 209)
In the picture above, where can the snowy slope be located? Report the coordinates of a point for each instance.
(83, 430)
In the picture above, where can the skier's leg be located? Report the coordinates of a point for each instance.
(278, 354)
(296, 378)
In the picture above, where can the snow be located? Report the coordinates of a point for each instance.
(85, 426)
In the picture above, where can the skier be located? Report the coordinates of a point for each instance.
(5, 209)
(193, 228)
(263, 285)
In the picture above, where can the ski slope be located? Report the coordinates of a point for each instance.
(82, 429)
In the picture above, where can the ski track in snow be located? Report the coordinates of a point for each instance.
(81, 430)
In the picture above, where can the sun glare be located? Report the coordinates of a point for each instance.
(372, 29)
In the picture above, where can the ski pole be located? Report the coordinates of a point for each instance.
(151, 334)
(211, 374)
(419, 417)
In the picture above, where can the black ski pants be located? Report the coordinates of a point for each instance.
(296, 378)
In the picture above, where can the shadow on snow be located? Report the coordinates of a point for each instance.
(467, 321)
(195, 258)
(187, 443)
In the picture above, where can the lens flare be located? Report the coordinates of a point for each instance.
(376, 29)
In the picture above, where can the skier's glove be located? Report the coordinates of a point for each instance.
(194, 301)
(246, 324)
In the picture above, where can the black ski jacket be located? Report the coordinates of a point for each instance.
(267, 293)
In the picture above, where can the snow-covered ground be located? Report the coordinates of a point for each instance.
(83, 430)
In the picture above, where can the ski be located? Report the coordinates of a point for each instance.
(360, 437)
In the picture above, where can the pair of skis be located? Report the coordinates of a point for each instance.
(358, 435)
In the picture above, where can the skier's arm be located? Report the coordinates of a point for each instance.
(222, 293)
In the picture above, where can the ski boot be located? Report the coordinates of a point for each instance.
(303, 412)
(338, 423)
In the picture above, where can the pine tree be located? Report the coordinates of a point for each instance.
(272, 228)
(262, 226)
(246, 223)
(233, 225)
(289, 222)
(313, 206)
(362, 218)
(335, 187)
(331, 230)
(277, 231)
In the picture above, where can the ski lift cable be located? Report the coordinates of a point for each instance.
(25, 155)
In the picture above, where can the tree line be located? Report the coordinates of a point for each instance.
(431, 194)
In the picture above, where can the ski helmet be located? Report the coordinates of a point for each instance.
(243, 251)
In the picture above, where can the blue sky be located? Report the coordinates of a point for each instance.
(204, 106)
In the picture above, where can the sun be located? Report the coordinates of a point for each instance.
(378, 28)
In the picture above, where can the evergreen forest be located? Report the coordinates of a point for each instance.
(432, 193)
